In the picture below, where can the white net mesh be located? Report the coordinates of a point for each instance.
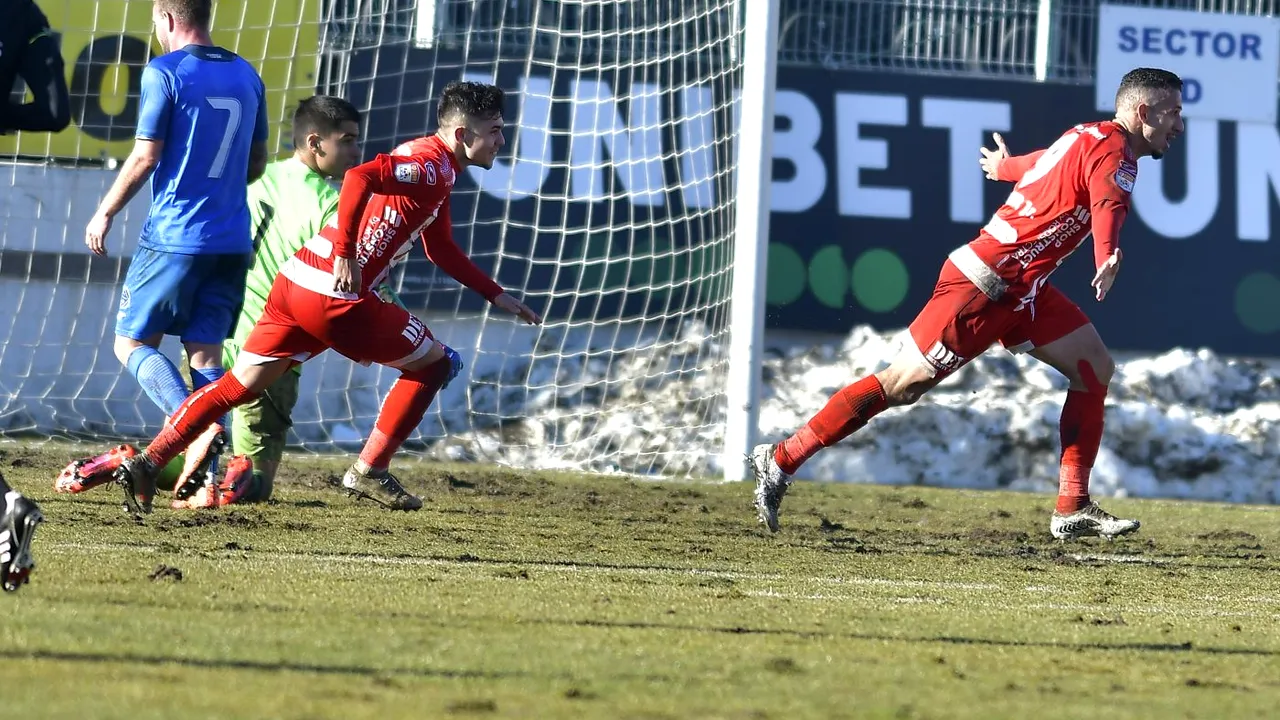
(612, 214)
(57, 368)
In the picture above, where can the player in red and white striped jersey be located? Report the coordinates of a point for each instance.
(322, 298)
(996, 289)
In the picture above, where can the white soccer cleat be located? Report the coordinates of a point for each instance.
(771, 485)
(1090, 521)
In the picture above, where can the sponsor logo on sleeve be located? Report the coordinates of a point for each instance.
(1125, 177)
(408, 172)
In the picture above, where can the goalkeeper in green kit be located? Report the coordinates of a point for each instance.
(289, 205)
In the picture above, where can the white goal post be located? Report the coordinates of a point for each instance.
(751, 234)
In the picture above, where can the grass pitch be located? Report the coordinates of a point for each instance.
(515, 594)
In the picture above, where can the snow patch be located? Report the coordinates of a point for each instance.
(1183, 424)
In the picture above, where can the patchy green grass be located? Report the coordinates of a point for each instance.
(517, 594)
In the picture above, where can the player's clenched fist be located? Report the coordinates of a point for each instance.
(515, 307)
(95, 235)
(991, 159)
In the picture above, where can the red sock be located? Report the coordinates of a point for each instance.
(846, 412)
(1081, 433)
(402, 411)
(200, 410)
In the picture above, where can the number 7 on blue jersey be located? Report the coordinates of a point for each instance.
(231, 106)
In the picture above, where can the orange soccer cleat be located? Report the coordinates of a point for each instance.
(234, 485)
(198, 470)
(90, 472)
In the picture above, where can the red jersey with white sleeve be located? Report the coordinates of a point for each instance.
(385, 204)
(1079, 185)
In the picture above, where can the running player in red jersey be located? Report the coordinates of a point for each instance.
(322, 299)
(996, 288)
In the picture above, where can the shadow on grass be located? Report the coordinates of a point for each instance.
(1185, 647)
(260, 665)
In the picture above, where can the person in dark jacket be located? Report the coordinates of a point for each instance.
(29, 50)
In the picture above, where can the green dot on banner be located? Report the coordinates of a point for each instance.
(785, 283)
(1258, 302)
(827, 273)
(880, 280)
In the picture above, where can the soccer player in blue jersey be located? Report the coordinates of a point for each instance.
(201, 139)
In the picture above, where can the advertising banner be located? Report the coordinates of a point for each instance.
(106, 43)
(876, 179)
(1229, 64)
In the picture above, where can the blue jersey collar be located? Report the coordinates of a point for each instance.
(211, 54)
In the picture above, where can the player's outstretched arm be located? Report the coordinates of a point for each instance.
(133, 175)
(441, 249)
(1110, 184)
(1106, 217)
(999, 165)
(378, 176)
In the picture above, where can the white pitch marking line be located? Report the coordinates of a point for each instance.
(1100, 610)
(69, 548)
(1120, 558)
(1014, 603)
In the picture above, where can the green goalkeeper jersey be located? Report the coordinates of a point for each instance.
(287, 206)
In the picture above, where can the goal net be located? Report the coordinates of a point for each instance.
(611, 212)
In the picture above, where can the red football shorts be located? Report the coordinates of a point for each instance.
(300, 324)
(960, 322)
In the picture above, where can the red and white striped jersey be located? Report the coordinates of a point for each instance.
(407, 194)
(1050, 212)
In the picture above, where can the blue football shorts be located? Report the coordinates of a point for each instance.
(195, 297)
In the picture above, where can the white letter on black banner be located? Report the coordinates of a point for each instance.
(798, 144)
(854, 153)
(1193, 214)
(635, 145)
(1257, 177)
(969, 122)
(531, 164)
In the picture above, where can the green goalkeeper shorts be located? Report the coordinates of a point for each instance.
(260, 429)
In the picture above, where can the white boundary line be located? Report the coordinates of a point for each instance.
(549, 567)
(1008, 597)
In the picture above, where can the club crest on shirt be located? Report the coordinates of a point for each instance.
(408, 172)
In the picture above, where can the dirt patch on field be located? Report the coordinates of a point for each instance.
(204, 518)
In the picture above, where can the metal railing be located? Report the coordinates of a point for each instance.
(975, 38)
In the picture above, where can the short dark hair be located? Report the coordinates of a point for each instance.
(323, 115)
(193, 13)
(1146, 85)
(462, 100)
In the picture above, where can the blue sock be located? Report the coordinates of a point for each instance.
(205, 376)
(158, 377)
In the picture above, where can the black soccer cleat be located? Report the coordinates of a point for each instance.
(381, 487)
(17, 528)
(137, 477)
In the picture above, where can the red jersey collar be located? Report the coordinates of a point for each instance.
(436, 140)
